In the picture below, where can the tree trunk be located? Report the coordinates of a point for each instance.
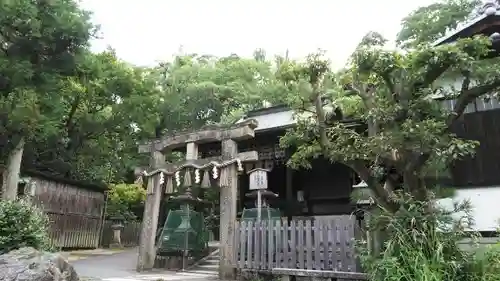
(11, 172)
(415, 185)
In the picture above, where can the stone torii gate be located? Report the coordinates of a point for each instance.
(228, 163)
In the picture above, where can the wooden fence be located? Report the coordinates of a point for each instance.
(320, 244)
(75, 213)
(74, 230)
(130, 234)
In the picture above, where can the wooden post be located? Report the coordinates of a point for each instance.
(147, 251)
(228, 205)
(289, 191)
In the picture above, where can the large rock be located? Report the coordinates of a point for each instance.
(28, 264)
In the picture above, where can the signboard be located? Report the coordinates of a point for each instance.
(258, 179)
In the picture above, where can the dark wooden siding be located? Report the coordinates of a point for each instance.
(482, 169)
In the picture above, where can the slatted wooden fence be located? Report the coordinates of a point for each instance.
(75, 213)
(74, 230)
(320, 244)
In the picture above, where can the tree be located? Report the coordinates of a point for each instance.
(104, 109)
(429, 23)
(404, 132)
(40, 41)
(202, 89)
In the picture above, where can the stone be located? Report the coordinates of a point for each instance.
(29, 264)
(117, 235)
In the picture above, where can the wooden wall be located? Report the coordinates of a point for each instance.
(483, 169)
(75, 213)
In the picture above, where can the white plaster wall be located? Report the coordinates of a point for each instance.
(485, 203)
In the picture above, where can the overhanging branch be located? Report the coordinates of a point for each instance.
(468, 95)
(383, 196)
(430, 76)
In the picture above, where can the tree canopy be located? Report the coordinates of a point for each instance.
(71, 112)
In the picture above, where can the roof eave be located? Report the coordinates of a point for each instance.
(452, 36)
(347, 122)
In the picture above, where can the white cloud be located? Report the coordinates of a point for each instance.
(143, 32)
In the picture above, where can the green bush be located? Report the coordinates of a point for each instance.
(422, 245)
(486, 265)
(22, 225)
(125, 201)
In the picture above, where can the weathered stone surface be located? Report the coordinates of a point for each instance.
(240, 131)
(28, 264)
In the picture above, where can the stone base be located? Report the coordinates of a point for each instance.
(169, 263)
(227, 272)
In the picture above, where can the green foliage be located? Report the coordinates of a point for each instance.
(40, 44)
(429, 23)
(80, 113)
(422, 243)
(398, 124)
(22, 225)
(201, 89)
(486, 265)
(105, 110)
(125, 200)
(83, 113)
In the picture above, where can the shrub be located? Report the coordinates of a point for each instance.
(22, 225)
(422, 244)
(485, 266)
(126, 201)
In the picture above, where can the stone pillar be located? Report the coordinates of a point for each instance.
(117, 235)
(147, 251)
(228, 200)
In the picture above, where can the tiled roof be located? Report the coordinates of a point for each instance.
(271, 118)
(275, 118)
(489, 11)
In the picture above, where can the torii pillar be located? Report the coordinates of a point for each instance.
(228, 136)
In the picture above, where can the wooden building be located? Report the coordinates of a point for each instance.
(325, 189)
(478, 178)
(322, 190)
(75, 208)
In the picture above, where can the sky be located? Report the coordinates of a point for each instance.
(148, 31)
